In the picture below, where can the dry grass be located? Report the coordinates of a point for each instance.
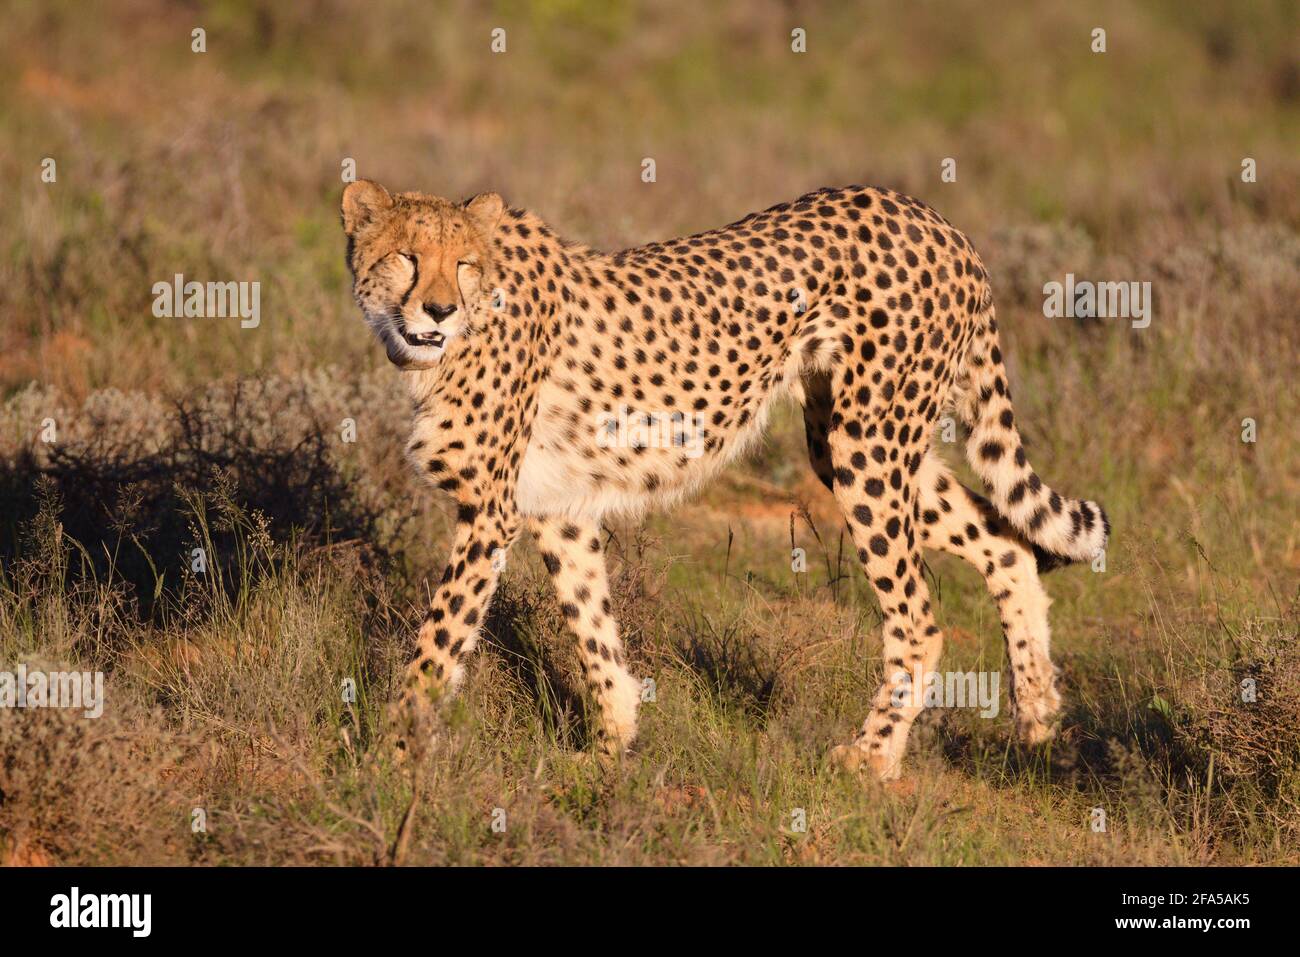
(225, 690)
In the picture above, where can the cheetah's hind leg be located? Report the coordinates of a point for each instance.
(956, 520)
(873, 477)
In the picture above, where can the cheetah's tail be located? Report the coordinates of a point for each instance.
(1061, 529)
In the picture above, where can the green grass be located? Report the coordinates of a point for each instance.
(225, 165)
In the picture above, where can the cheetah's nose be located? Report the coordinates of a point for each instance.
(437, 311)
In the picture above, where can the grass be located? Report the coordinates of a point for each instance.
(252, 697)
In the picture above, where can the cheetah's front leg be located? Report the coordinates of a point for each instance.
(450, 630)
(572, 552)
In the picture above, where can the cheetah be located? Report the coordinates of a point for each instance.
(863, 305)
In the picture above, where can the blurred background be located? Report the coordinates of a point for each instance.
(226, 165)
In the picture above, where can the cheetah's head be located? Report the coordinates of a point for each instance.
(422, 266)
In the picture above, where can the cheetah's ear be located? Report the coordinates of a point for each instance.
(362, 202)
(485, 210)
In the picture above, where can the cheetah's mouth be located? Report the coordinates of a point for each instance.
(410, 343)
(424, 339)
(413, 352)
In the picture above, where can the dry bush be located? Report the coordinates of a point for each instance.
(131, 475)
(78, 790)
(1250, 740)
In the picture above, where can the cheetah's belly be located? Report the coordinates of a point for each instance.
(591, 466)
(568, 470)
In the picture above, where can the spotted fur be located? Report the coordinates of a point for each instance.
(862, 304)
